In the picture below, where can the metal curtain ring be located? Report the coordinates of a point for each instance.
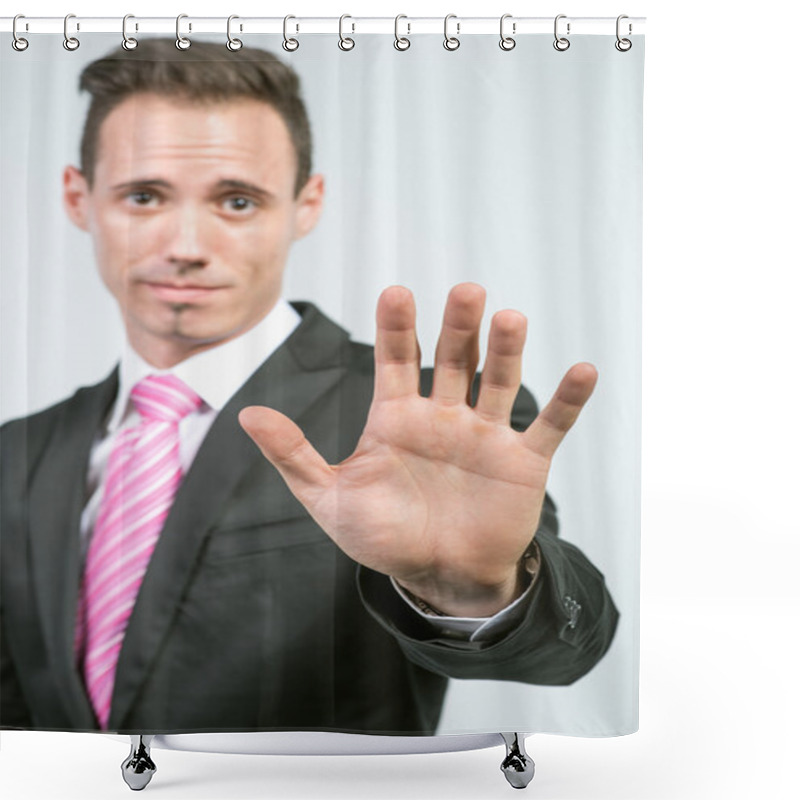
(181, 42)
(290, 45)
(346, 43)
(233, 44)
(623, 45)
(451, 42)
(18, 43)
(507, 42)
(70, 42)
(401, 42)
(128, 42)
(561, 43)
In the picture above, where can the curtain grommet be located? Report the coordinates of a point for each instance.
(507, 43)
(289, 44)
(19, 43)
(71, 43)
(561, 43)
(181, 42)
(451, 43)
(233, 44)
(346, 43)
(401, 43)
(128, 42)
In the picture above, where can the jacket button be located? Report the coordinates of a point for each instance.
(573, 609)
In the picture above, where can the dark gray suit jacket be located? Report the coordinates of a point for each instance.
(249, 617)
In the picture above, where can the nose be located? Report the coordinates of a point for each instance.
(185, 247)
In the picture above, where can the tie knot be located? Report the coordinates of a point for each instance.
(164, 398)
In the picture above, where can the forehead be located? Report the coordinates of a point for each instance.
(147, 132)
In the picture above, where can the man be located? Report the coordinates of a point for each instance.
(159, 574)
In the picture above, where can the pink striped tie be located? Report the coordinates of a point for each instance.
(142, 476)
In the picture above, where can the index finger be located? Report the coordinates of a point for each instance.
(397, 353)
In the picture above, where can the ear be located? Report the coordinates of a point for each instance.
(76, 197)
(309, 206)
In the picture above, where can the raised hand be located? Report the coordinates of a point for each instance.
(443, 496)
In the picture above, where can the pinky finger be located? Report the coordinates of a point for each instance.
(548, 430)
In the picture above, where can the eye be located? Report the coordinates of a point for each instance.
(142, 198)
(238, 203)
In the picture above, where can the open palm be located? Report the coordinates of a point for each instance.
(442, 495)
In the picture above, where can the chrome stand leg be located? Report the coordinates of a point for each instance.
(517, 766)
(138, 768)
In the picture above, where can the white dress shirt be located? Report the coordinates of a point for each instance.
(216, 375)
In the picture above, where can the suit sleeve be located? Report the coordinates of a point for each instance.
(567, 625)
(14, 712)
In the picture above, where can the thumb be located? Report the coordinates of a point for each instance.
(283, 444)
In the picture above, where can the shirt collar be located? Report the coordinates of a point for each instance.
(215, 374)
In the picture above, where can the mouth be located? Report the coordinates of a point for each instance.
(182, 293)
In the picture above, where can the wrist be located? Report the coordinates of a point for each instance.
(443, 599)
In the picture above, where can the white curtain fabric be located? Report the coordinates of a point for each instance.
(518, 170)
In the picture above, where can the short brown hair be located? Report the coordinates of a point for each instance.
(205, 73)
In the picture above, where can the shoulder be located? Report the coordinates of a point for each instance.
(39, 423)
(30, 434)
(320, 343)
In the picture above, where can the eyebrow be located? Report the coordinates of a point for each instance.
(154, 182)
(221, 185)
(244, 186)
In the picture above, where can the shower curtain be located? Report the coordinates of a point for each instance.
(518, 170)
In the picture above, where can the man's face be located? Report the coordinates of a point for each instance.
(192, 213)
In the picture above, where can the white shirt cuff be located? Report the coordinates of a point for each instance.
(474, 629)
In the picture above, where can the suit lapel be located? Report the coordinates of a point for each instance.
(57, 497)
(306, 366)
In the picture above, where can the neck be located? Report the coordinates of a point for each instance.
(164, 352)
(165, 355)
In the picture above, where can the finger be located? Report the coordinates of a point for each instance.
(502, 371)
(458, 348)
(550, 427)
(396, 348)
(283, 444)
